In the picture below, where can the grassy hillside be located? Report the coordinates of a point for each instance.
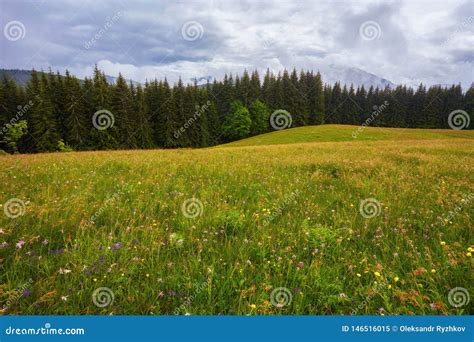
(348, 133)
(373, 227)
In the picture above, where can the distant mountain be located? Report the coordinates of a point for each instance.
(22, 77)
(350, 75)
(330, 73)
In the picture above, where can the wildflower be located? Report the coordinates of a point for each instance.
(147, 275)
(359, 275)
(95, 279)
(442, 243)
(377, 274)
(45, 242)
(470, 249)
(468, 254)
(64, 271)
(2, 231)
(20, 244)
(300, 264)
(396, 279)
(64, 298)
(3, 244)
(433, 270)
(26, 293)
(342, 295)
(116, 246)
(253, 306)
(389, 286)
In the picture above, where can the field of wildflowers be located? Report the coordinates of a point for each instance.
(330, 228)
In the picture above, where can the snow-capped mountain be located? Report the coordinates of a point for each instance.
(351, 75)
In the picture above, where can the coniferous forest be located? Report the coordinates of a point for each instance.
(61, 111)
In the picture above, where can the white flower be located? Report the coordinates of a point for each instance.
(64, 271)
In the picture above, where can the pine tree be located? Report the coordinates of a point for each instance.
(75, 117)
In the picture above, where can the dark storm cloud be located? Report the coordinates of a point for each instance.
(429, 41)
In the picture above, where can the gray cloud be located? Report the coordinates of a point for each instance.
(416, 41)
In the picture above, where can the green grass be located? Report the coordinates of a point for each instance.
(348, 133)
(272, 216)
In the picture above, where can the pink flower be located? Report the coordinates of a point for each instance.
(20, 244)
(300, 265)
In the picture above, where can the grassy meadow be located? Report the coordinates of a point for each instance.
(302, 221)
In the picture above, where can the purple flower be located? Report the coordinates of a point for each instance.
(26, 293)
(20, 244)
(116, 246)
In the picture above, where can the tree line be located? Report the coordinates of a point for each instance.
(55, 112)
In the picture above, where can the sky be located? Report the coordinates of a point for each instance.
(406, 42)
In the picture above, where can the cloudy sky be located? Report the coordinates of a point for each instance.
(402, 41)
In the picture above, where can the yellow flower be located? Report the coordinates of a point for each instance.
(442, 243)
(433, 270)
(377, 274)
(468, 254)
(147, 275)
(359, 275)
(389, 286)
(470, 249)
(253, 306)
(396, 279)
(95, 279)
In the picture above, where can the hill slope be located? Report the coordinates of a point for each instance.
(323, 133)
